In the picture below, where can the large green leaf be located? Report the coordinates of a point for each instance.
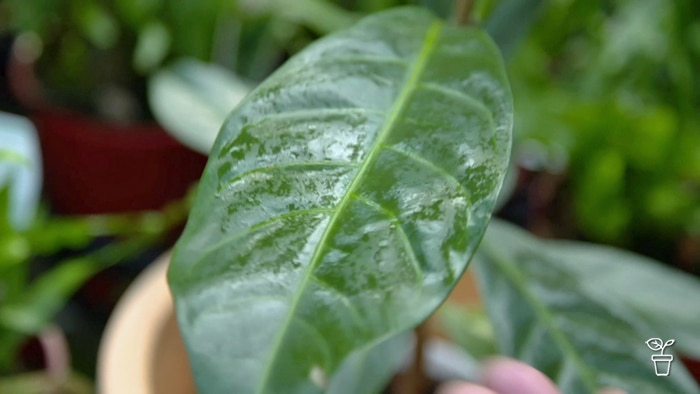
(543, 313)
(343, 199)
(667, 299)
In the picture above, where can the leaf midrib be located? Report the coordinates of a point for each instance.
(545, 317)
(414, 74)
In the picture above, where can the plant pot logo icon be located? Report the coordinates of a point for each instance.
(662, 362)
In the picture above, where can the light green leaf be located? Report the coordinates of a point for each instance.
(39, 383)
(97, 24)
(151, 47)
(343, 199)
(20, 172)
(48, 294)
(638, 287)
(321, 16)
(543, 313)
(12, 157)
(191, 99)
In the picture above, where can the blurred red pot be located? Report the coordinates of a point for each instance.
(92, 166)
(95, 166)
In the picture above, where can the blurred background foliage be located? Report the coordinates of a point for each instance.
(110, 47)
(44, 260)
(609, 92)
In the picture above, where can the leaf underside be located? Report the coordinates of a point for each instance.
(342, 200)
(543, 314)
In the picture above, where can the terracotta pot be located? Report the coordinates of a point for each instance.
(91, 166)
(142, 351)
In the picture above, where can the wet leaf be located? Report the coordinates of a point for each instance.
(342, 200)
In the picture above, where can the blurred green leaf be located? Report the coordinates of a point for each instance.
(653, 132)
(9, 343)
(371, 6)
(615, 78)
(47, 295)
(12, 157)
(191, 99)
(321, 16)
(151, 47)
(510, 21)
(577, 330)
(636, 286)
(20, 172)
(50, 234)
(38, 383)
(600, 188)
(14, 250)
(97, 24)
(469, 328)
(32, 15)
(138, 13)
(668, 204)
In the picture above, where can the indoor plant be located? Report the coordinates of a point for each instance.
(369, 250)
(268, 301)
(508, 256)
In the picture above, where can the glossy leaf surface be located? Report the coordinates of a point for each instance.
(543, 313)
(342, 200)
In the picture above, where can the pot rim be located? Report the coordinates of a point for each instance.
(128, 343)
